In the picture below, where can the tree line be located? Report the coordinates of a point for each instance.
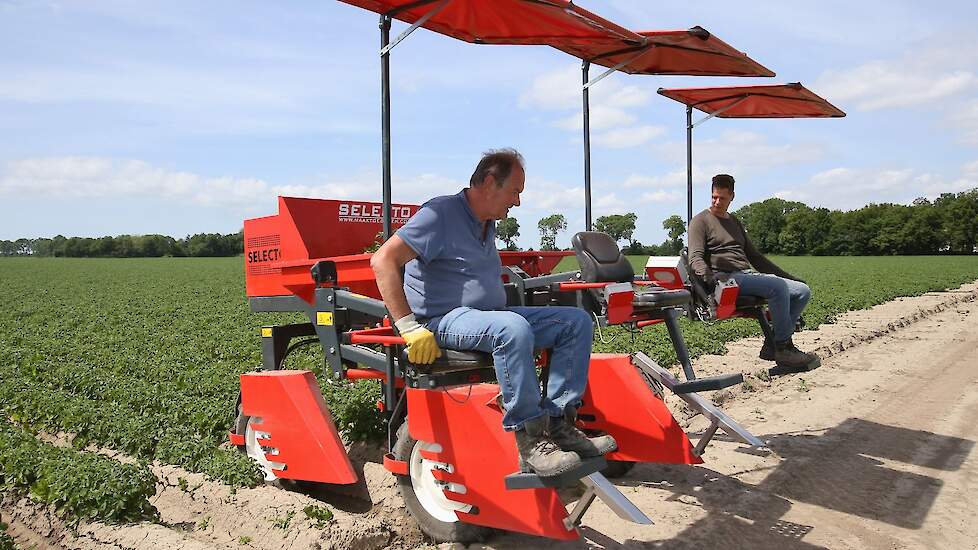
(127, 246)
(946, 225)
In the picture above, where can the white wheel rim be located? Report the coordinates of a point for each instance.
(257, 452)
(429, 491)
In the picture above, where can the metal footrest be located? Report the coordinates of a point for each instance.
(718, 418)
(710, 383)
(588, 466)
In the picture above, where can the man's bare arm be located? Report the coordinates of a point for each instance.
(387, 264)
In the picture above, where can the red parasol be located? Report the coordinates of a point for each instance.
(774, 101)
(540, 22)
(693, 52)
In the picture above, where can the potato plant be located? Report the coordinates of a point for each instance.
(143, 356)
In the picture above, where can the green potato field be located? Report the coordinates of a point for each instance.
(143, 355)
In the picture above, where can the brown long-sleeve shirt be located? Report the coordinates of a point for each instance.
(722, 244)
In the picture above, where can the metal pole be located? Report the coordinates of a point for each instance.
(385, 118)
(585, 68)
(689, 169)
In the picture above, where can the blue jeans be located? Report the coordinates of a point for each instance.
(786, 299)
(511, 336)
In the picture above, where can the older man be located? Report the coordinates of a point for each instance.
(452, 296)
(719, 248)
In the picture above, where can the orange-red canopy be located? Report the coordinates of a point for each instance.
(539, 22)
(775, 101)
(681, 52)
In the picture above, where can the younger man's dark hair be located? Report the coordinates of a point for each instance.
(723, 181)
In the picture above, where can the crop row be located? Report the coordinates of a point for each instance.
(78, 485)
(143, 355)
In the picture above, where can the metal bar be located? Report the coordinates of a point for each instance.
(385, 119)
(424, 19)
(697, 403)
(689, 169)
(363, 304)
(366, 357)
(723, 110)
(605, 74)
(574, 518)
(612, 497)
(585, 69)
(707, 436)
(676, 335)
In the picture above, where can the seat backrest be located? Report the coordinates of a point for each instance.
(600, 258)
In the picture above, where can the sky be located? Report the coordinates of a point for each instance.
(187, 117)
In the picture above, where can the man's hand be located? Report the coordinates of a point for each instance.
(422, 348)
(710, 280)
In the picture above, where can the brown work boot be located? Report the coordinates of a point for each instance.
(791, 359)
(539, 454)
(568, 437)
(767, 350)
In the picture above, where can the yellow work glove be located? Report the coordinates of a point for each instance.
(422, 348)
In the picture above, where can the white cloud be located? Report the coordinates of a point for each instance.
(672, 179)
(890, 84)
(928, 73)
(95, 177)
(601, 118)
(850, 188)
(739, 152)
(662, 195)
(560, 90)
(623, 138)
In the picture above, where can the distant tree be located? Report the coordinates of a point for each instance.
(549, 227)
(764, 221)
(507, 230)
(676, 228)
(617, 226)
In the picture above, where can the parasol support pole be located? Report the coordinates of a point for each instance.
(585, 69)
(689, 169)
(385, 118)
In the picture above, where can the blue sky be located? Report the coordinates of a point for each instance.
(187, 117)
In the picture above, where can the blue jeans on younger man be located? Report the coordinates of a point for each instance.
(511, 336)
(786, 299)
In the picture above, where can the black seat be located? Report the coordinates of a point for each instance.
(451, 369)
(454, 360)
(602, 262)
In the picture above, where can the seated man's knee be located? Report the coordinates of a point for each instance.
(581, 320)
(513, 330)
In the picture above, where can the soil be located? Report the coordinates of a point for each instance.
(871, 451)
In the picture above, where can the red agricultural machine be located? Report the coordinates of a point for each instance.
(457, 468)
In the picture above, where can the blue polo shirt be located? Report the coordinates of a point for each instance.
(456, 266)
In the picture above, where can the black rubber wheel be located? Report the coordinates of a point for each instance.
(617, 468)
(425, 501)
(240, 424)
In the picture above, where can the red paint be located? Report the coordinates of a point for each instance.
(299, 425)
(455, 419)
(622, 404)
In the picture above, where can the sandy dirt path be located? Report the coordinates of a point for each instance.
(873, 450)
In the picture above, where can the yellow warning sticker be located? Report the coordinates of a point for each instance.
(266, 332)
(324, 318)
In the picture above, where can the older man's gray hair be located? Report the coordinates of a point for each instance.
(497, 163)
